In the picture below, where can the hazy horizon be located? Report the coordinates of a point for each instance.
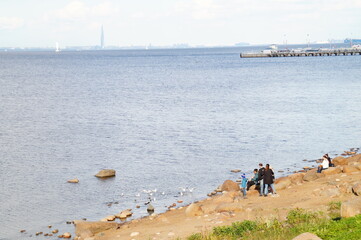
(39, 23)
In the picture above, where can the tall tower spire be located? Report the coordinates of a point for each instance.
(102, 38)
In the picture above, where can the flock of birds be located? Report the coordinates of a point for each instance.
(151, 194)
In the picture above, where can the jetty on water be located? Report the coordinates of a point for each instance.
(303, 53)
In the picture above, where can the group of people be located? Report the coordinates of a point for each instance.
(263, 177)
(326, 163)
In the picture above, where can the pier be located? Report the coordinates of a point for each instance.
(305, 53)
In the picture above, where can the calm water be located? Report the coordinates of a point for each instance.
(163, 119)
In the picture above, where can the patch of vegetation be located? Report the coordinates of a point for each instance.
(334, 210)
(298, 221)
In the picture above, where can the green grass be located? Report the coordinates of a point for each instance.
(327, 227)
(334, 210)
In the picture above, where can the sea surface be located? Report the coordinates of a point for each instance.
(165, 120)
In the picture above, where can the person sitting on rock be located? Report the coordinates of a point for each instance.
(330, 164)
(244, 185)
(268, 179)
(254, 180)
(324, 165)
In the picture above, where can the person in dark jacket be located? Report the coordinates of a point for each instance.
(260, 178)
(254, 180)
(268, 180)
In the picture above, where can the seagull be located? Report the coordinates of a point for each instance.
(137, 195)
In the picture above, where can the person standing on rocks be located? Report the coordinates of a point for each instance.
(260, 178)
(268, 178)
(244, 185)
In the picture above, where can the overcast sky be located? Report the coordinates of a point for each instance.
(41, 23)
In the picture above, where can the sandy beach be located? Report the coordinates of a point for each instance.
(308, 190)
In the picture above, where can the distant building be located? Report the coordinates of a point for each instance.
(353, 41)
(102, 38)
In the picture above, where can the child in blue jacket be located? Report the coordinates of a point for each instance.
(244, 185)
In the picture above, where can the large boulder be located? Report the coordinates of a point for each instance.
(297, 178)
(85, 229)
(356, 158)
(331, 192)
(349, 169)
(226, 197)
(105, 173)
(357, 189)
(358, 166)
(312, 175)
(351, 208)
(339, 161)
(307, 236)
(332, 171)
(283, 183)
(345, 187)
(230, 186)
(194, 210)
(229, 207)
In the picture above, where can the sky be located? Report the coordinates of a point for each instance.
(42, 23)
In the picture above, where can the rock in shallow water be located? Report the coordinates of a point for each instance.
(150, 208)
(66, 235)
(105, 173)
(75, 180)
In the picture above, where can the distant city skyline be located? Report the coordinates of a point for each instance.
(36, 23)
(102, 44)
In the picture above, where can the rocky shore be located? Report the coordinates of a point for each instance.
(306, 189)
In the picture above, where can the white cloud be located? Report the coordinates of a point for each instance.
(79, 10)
(198, 9)
(216, 9)
(11, 22)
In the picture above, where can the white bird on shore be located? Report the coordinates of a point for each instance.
(163, 193)
(191, 189)
(137, 195)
